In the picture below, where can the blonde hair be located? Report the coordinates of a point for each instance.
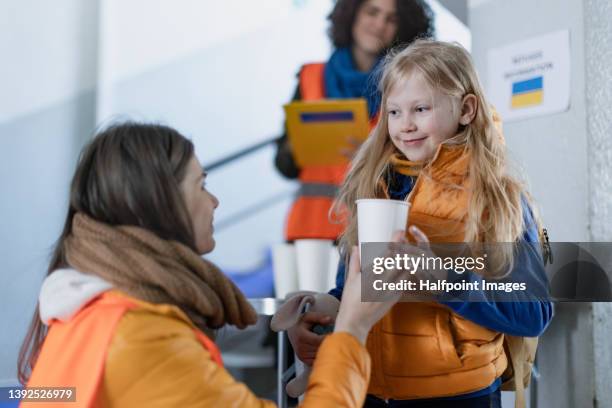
(494, 213)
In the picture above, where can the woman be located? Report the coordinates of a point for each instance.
(361, 32)
(128, 310)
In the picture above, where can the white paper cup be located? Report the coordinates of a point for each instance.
(313, 263)
(284, 266)
(378, 219)
(334, 259)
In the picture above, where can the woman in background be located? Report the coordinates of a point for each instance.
(361, 32)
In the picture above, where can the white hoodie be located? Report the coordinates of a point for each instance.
(65, 291)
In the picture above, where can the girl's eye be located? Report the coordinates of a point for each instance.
(421, 109)
(393, 112)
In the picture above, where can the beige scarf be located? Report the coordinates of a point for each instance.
(139, 263)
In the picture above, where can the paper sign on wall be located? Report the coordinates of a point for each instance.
(531, 77)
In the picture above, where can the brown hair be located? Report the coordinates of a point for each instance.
(415, 21)
(129, 174)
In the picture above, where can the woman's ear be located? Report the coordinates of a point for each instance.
(469, 105)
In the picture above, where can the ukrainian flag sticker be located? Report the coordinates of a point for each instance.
(527, 93)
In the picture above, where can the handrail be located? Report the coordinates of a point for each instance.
(239, 154)
(256, 207)
(253, 209)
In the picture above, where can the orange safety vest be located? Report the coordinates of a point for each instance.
(309, 214)
(74, 352)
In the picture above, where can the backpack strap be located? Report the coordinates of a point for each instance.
(521, 355)
(547, 254)
(515, 349)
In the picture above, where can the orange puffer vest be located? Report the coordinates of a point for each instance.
(423, 349)
(308, 217)
(74, 352)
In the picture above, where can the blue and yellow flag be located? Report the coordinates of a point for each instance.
(529, 92)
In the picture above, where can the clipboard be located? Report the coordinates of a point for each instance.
(318, 130)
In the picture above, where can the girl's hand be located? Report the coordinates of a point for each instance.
(355, 316)
(422, 248)
(305, 342)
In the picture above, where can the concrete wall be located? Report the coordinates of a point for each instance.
(598, 45)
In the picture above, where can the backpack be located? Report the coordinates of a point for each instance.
(521, 351)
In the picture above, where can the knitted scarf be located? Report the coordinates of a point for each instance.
(343, 80)
(404, 166)
(139, 263)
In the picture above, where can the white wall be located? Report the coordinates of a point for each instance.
(47, 110)
(552, 150)
(49, 53)
(224, 87)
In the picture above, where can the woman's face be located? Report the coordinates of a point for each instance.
(375, 25)
(200, 204)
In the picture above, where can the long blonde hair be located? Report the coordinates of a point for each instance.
(494, 213)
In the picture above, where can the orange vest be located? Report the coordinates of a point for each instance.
(423, 349)
(74, 352)
(309, 214)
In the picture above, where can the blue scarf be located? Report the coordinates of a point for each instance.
(343, 80)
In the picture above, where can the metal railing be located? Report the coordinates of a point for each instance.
(258, 206)
(239, 154)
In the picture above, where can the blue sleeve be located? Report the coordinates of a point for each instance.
(526, 316)
(337, 291)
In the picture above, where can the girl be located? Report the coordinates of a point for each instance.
(436, 146)
(128, 305)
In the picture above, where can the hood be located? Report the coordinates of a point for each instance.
(65, 291)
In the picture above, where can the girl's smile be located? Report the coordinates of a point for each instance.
(414, 142)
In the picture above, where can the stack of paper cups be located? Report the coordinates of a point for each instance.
(313, 263)
(284, 266)
(378, 219)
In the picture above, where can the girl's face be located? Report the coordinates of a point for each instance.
(375, 25)
(200, 205)
(420, 118)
